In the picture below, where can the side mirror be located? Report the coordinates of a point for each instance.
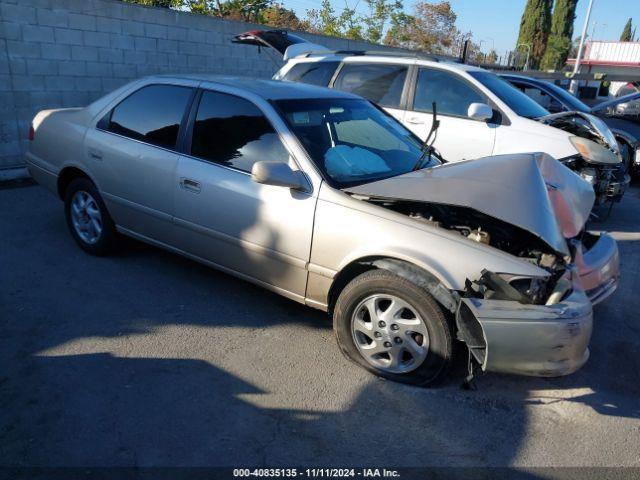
(480, 111)
(279, 174)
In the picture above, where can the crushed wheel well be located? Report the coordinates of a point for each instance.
(417, 275)
(66, 176)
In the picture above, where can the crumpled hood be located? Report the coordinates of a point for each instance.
(532, 191)
(598, 126)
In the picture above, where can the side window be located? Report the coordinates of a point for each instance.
(151, 114)
(379, 83)
(314, 73)
(452, 94)
(232, 131)
(536, 94)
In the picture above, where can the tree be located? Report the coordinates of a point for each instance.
(380, 14)
(534, 29)
(324, 20)
(352, 24)
(559, 43)
(626, 32)
(280, 17)
(158, 3)
(399, 32)
(492, 57)
(431, 27)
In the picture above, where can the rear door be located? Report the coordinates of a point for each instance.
(132, 152)
(459, 137)
(261, 231)
(383, 83)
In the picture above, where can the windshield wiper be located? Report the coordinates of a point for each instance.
(427, 148)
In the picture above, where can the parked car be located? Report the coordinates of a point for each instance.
(322, 197)
(556, 99)
(480, 114)
(630, 106)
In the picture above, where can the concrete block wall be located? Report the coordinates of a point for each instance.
(67, 53)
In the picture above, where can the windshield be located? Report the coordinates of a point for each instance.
(351, 141)
(514, 98)
(572, 102)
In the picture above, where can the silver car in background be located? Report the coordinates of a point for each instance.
(323, 198)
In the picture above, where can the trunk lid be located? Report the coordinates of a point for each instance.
(288, 44)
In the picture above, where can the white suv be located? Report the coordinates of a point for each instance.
(480, 114)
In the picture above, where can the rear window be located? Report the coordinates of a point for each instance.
(313, 73)
(379, 83)
(152, 114)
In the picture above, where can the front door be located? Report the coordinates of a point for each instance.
(459, 137)
(261, 231)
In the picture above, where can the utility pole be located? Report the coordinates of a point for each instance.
(573, 88)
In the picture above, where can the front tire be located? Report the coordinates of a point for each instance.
(88, 219)
(393, 328)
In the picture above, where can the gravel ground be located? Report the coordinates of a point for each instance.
(146, 358)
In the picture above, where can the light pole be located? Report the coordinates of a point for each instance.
(573, 88)
(526, 63)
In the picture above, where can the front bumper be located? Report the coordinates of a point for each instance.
(537, 340)
(598, 265)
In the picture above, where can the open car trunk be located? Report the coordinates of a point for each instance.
(288, 44)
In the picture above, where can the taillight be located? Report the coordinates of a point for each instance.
(32, 133)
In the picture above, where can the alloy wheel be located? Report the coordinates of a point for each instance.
(389, 333)
(86, 217)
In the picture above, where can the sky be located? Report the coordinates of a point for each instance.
(497, 21)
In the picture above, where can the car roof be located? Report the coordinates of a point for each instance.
(522, 77)
(266, 89)
(382, 58)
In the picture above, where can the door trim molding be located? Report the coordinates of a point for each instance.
(235, 273)
(239, 242)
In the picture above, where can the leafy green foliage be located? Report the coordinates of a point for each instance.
(559, 43)
(627, 35)
(431, 27)
(158, 3)
(534, 30)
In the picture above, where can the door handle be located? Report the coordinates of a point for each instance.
(190, 185)
(415, 121)
(95, 154)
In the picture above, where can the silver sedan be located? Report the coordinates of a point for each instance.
(323, 198)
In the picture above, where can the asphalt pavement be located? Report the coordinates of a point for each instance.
(146, 358)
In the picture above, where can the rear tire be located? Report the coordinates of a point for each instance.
(87, 217)
(393, 328)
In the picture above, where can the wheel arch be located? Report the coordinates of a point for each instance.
(67, 175)
(421, 276)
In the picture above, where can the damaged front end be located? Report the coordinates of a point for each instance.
(598, 160)
(531, 207)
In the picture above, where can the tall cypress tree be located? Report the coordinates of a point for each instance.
(534, 29)
(626, 33)
(559, 44)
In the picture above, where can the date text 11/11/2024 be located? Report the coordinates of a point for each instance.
(316, 472)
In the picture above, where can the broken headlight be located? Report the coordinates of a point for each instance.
(589, 174)
(504, 286)
(533, 288)
(591, 152)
